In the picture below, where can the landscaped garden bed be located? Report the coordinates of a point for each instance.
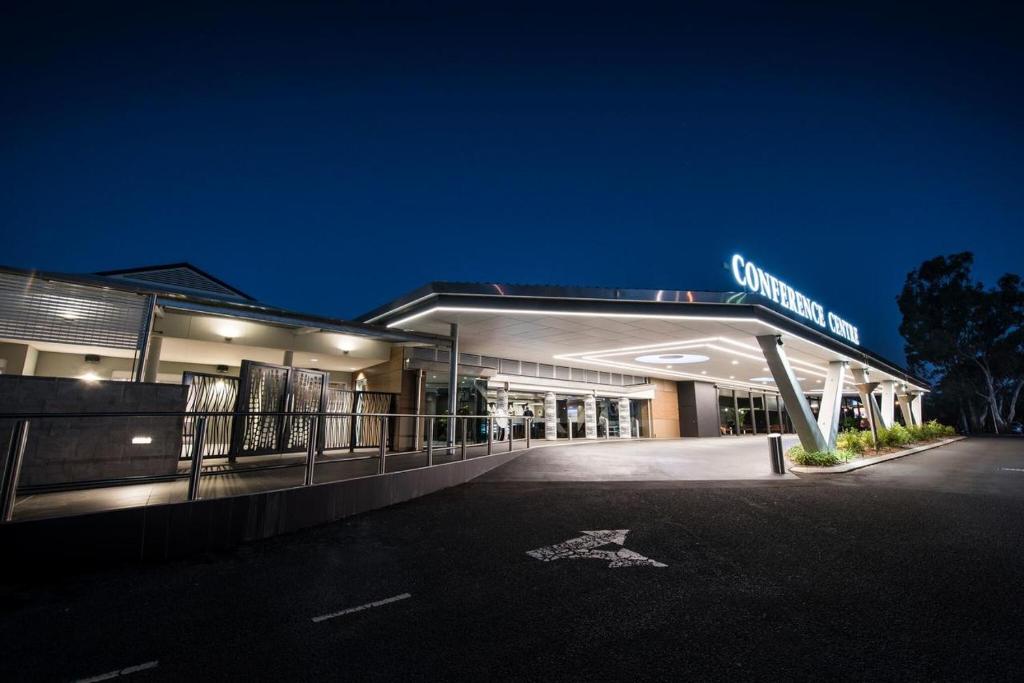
(854, 444)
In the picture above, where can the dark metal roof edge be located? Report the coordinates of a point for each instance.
(182, 264)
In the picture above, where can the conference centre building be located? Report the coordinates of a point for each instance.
(583, 362)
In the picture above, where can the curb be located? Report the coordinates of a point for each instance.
(868, 462)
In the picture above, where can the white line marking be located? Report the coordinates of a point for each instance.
(127, 671)
(1013, 469)
(360, 608)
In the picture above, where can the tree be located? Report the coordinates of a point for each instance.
(967, 339)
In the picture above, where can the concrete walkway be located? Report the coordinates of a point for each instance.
(710, 459)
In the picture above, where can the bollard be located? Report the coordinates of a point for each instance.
(775, 454)
(12, 468)
(198, 436)
(529, 426)
(311, 451)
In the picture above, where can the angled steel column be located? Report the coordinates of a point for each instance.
(867, 399)
(888, 402)
(453, 382)
(916, 399)
(831, 402)
(908, 415)
(799, 410)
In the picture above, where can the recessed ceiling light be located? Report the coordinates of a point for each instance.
(732, 376)
(703, 372)
(735, 362)
(765, 369)
(817, 381)
(313, 360)
(669, 367)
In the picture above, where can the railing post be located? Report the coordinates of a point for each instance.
(490, 434)
(12, 468)
(311, 450)
(529, 428)
(463, 438)
(430, 441)
(198, 436)
(383, 445)
(510, 431)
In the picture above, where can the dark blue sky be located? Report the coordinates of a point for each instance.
(329, 158)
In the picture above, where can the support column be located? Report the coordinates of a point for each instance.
(453, 381)
(831, 402)
(916, 400)
(866, 391)
(550, 416)
(152, 364)
(908, 415)
(888, 403)
(145, 336)
(796, 403)
(289, 359)
(625, 419)
(590, 416)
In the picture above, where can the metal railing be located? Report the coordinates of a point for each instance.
(453, 436)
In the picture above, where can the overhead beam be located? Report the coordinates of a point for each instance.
(797, 406)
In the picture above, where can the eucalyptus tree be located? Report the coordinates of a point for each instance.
(965, 337)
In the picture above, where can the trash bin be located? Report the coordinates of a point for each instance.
(778, 458)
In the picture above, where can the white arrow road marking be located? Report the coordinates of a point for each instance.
(586, 548)
(127, 671)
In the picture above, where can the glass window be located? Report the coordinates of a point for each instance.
(726, 412)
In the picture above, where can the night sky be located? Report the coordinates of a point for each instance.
(330, 157)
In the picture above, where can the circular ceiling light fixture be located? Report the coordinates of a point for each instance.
(680, 358)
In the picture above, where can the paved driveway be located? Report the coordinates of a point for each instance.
(710, 459)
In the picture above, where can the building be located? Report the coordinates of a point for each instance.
(587, 363)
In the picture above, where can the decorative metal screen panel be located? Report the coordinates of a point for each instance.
(263, 388)
(305, 395)
(41, 310)
(210, 393)
(338, 430)
(367, 432)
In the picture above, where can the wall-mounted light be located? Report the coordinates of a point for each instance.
(92, 358)
(142, 440)
(222, 368)
(69, 315)
(89, 376)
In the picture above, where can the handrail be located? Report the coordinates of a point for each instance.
(9, 474)
(229, 413)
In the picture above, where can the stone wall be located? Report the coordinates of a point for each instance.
(87, 449)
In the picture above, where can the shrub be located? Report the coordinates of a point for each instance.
(819, 458)
(894, 436)
(853, 441)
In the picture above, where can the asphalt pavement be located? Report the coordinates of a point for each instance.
(906, 570)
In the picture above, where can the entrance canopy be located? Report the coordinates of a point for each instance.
(668, 334)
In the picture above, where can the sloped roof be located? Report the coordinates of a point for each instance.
(183, 277)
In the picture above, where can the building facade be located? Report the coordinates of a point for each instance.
(585, 363)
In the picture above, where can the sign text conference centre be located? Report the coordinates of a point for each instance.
(748, 275)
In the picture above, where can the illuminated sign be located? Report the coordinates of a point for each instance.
(751, 277)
